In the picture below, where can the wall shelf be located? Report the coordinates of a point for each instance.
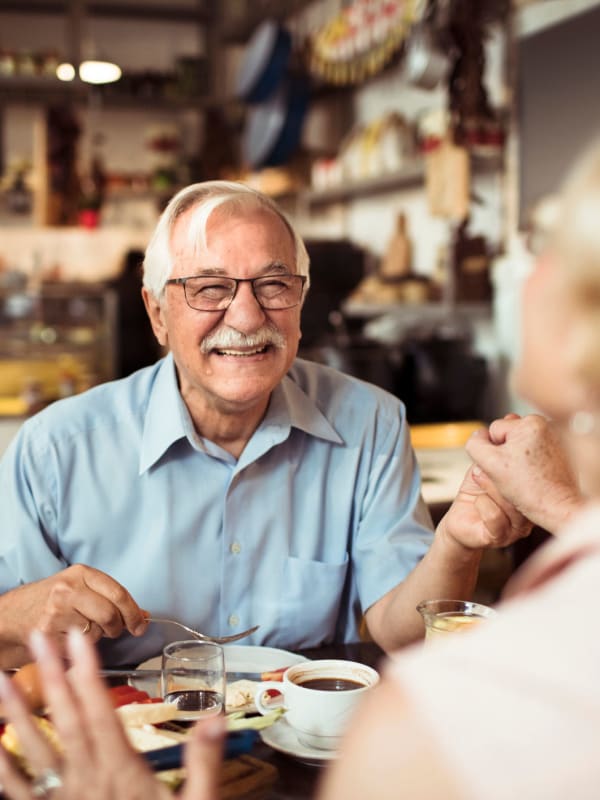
(38, 90)
(412, 175)
(122, 9)
(419, 311)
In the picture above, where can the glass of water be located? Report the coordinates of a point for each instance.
(193, 678)
(451, 616)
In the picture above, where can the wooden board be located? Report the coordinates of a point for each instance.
(246, 777)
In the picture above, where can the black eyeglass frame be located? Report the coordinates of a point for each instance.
(251, 281)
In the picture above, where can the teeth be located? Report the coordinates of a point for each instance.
(243, 353)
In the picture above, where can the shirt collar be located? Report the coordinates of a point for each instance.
(165, 422)
(292, 406)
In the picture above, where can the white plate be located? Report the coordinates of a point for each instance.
(238, 658)
(281, 736)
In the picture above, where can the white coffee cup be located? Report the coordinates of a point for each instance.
(319, 698)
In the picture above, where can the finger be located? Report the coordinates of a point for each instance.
(12, 782)
(131, 615)
(481, 433)
(110, 743)
(71, 603)
(495, 521)
(503, 524)
(203, 757)
(485, 453)
(476, 484)
(64, 708)
(517, 519)
(39, 752)
(470, 485)
(499, 430)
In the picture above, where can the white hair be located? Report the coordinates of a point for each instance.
(205, 198)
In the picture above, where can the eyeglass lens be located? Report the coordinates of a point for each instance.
(216, 293)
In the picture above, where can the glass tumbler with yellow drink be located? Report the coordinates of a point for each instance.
(452, 616)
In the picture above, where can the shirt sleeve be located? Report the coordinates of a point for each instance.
(514, 705)
(28, 548)
(395, 528)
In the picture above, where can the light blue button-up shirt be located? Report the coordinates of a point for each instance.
(319, 517)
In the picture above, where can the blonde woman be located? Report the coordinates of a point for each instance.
(513, 709)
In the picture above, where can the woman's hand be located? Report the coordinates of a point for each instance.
(97, 761)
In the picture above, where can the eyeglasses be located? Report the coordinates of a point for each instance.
(216, 292)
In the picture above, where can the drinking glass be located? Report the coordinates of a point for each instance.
(442, 617)
(193, 678)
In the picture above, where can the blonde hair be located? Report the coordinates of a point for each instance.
(205, 198)
(576, 243)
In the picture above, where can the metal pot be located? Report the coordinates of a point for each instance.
(425, 65)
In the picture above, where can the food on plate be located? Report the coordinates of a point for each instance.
(27, 678)
(238, 721)
(138, 717)
(240, 693)
(10, 740)
(273, 675)
(146, 713)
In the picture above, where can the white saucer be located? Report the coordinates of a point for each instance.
(281, 736)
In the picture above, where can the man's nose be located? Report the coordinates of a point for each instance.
(245, 312)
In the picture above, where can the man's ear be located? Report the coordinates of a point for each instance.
(155, 315)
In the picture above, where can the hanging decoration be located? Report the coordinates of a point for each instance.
(361, 40)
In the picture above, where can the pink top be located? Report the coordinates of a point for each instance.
(514, 705)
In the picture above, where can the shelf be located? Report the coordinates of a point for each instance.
(24, 89)
(48, 90)
(166, 12)
(411, 175)
(424, 311)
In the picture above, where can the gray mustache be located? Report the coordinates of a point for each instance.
(229, 338)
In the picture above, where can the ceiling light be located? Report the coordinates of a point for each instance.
(65, 72)
(99, 72)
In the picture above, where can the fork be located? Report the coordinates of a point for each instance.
(203, 636)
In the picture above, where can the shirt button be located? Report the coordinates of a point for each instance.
(233, 621)
(235, 548)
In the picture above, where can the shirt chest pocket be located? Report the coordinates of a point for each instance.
(311, 598)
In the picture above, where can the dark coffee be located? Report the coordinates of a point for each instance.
(331, 684)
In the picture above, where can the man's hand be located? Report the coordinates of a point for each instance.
(476, 520)
(523, 459)
(70, 598)
(480, 518)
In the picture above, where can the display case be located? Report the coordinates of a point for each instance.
(55, 340)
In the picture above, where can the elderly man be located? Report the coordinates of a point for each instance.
(230, 484)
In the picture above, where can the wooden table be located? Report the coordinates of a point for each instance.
(298, 781)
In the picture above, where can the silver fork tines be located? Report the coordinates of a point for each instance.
(203, 636)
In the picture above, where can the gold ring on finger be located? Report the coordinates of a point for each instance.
(87, 627)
